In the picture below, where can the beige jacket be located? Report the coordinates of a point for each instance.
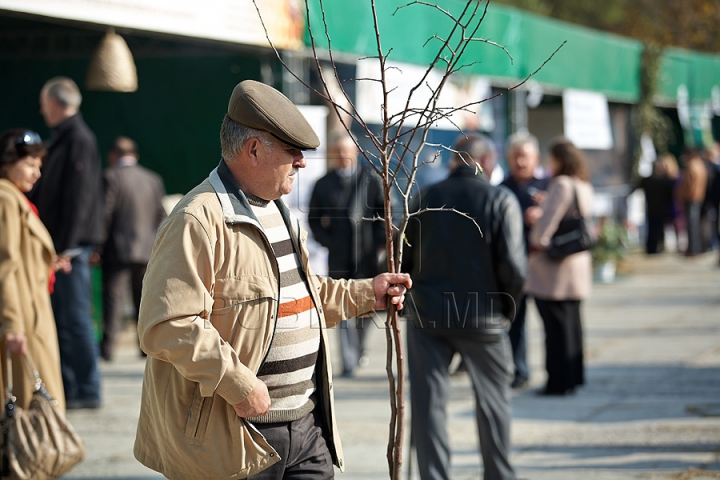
(571, 277)
(210, 298)
(26, 254)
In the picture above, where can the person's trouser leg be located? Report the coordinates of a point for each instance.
(655, 235)
(518, 341)
(692, 219)
(71, 303)
(304, 454)
(349, 345)
(428, 362)
(115, 280)
(138, 273)
(488, 365)
(554, 346)
(563, 344)
(576, 366)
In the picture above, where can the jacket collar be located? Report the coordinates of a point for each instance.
(62, 128)
(233, 201)
(468, 171)
(32, 221)
(235, 206)
(10, 188)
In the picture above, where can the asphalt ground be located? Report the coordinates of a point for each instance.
(650, 408)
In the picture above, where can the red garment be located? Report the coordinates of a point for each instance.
(51, 277)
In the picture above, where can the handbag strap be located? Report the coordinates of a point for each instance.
(576, 202)
(29, 368)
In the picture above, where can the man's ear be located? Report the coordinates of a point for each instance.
(251, 149)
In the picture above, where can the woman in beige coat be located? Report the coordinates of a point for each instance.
(27, 260)
(559, 286)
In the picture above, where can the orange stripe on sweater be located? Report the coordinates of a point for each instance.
(294, 307)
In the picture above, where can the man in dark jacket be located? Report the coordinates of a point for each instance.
(133, 213)
(339, 203)
(69, 199)
(658, 189)
(523, 156)
(465, 286)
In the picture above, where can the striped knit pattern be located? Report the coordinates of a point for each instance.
(289, 369)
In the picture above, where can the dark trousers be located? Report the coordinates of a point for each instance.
(487, 364)
(352, 335)
(655, 235)
(72, 306)
(563, 344)
(518, 340)
(302, 448)
(116, 277)
(692, 221)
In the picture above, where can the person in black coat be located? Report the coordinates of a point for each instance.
(465, 286)
(133, 213)
(341, 206)
(69, 200)
(658, 189)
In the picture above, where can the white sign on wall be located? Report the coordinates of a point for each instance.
(586, 119)
(459, 91)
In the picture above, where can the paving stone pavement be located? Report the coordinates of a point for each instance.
(650, 409)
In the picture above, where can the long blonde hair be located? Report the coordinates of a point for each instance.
(669, 164)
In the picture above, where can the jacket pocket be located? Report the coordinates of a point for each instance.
(198, 417)
(243, 302)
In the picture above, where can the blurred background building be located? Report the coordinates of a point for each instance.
(189, 55)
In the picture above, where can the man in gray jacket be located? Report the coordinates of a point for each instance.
(464, 289)
(133, 212)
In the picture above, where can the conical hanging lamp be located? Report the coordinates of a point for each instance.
(112, 68)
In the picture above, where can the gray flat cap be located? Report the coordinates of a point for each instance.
(261, 107)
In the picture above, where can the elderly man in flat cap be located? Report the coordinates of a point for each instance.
(238, 379)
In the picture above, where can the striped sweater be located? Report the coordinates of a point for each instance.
(289, 369)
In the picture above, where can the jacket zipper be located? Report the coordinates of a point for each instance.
(277, 308)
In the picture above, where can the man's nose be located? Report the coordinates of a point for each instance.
(299, 160)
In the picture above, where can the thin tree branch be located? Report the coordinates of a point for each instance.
(444, 209)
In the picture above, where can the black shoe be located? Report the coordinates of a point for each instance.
(520, 383)
(556, 393)
(78, 403)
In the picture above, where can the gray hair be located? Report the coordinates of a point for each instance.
(64, 91)
(339, 136)
(233, 136)
(473, 145)
(519, 139)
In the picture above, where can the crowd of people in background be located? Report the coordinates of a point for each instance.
(684, 202)
(56, 224)
(80, 217)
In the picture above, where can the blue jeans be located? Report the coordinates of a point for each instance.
(518, 340)
(72, 304)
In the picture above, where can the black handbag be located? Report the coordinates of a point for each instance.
(572, 235)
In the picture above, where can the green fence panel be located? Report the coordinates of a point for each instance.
(174, 116)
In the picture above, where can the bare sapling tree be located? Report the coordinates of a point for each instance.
(399, 148)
